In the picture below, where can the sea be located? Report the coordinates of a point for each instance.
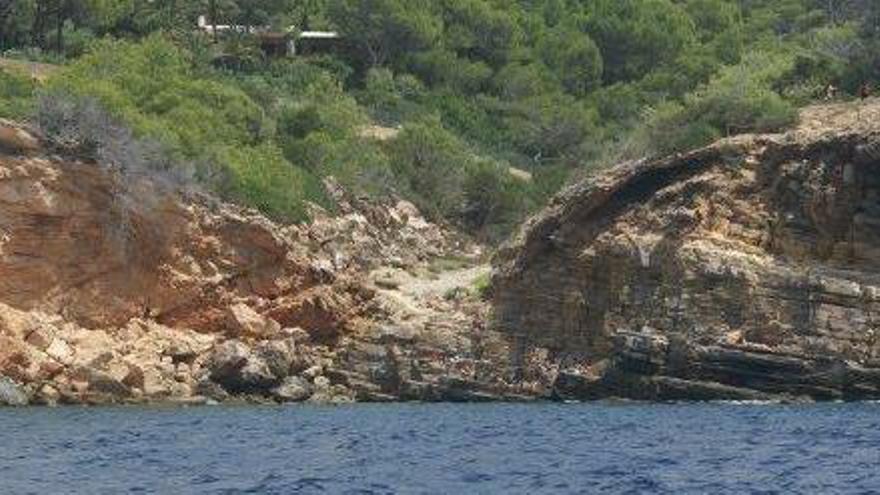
(632, 448)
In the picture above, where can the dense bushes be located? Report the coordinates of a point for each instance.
(574, 58)
(264, 139)
(151, 86)
(16, 95)
(494, 199)
(431, 162)
(738, 100)
(555, 88)
(391, 99)
(192, 125)
(260, 177)
(447, 179)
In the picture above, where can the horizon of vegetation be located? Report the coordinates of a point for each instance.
(555, 88)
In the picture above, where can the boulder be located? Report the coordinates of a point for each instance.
(181, 390)
(181, 352)
(16, 140)
(11, 393)
(49, 369)
(321, 383)
(211, 390)
(279, 356)
(107, 386)
(47, 395)
(298, 334)
(40, 338)
(327, 394)
(239, 370)
(293, 389)
(313, 371)
(14, 322)
(242, 321)
(135, 377)
(60, 351)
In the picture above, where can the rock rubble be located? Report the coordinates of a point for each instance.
(124, 288)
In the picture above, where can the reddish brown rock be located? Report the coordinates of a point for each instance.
(16, 139)
(244, 322)
(119, 287)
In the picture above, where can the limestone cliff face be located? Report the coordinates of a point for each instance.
(769, 240)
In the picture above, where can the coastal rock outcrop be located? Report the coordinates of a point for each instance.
(126, 287)
(11, 393)
(756, 258)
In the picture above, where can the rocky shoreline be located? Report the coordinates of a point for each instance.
(650, 367)
(119, 287)
(746, 270)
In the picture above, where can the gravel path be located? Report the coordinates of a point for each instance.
(421, 288)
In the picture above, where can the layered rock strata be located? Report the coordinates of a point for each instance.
(771, 242)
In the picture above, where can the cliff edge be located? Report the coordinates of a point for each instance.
(748, 269)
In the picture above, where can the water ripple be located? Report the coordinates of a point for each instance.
(438, 449)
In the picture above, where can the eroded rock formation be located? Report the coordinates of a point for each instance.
(764, 245)
(120, 287)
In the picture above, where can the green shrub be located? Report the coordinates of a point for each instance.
(16, 95)
(574, 58)
(339, 69)
(519, 80)
(740, 99)
(467, 116)
(140, 71)
(620, 105)
(443, 68)
(551, 127)
(151, 88)
(482, 287)
(280, 80)
(389, 99)
(321, 108)
(77, 41)
(318, 129)
(358, 164)
(493, 199)
(429, 161)
(260, 177)
(636, 37)
(201, 113)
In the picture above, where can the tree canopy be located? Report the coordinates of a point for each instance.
(472, 87)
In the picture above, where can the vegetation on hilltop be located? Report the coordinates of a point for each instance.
(552, 87)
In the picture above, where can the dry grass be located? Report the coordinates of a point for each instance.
(379, 133)
(850, 116)
(37, 71)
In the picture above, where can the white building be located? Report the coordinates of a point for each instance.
(270, 40)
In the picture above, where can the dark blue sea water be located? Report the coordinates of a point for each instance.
(363, 449)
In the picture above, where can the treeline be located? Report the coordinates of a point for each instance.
(476, 87)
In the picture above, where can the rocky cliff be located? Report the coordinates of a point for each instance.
(118, 286)
(746, 269)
